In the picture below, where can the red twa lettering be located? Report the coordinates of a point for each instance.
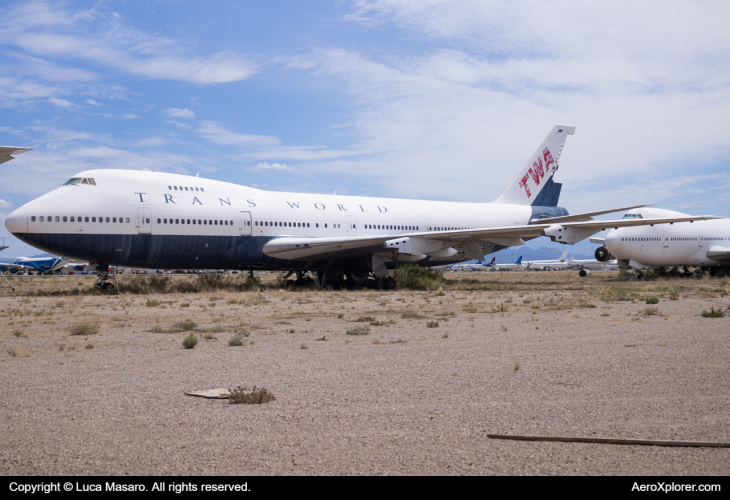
(538, 168)
(523, 183)
(548, 158)
(534, 176)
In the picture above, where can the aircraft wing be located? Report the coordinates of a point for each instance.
(7, 152)
(437, 243)
(581, 217)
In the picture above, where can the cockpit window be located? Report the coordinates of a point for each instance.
(632, 216)
(79, 180)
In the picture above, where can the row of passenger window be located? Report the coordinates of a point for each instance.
(202, 222)
(184, 188)
(58, 218)
(389, 227)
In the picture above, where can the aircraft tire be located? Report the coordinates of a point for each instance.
(582, 273)
(390, 283)
(379, 285)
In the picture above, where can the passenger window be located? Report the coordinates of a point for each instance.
(148, 220)
(177, 221)
(316, 224)
(86, 219)
(216, 223)
(325, 224)
(93, 219)
(114, 219)
(169, 187)
(210, 222)
(307, 224)
(107, 219)
(127, 220)
(248, 223)
(32, 218)
(202, 189)
(65, 219)
(226, 223)
(199, 221)
(188, 221)
(175, 188)
(186, 188)
(196, 189)
(159, 221)
(40, 219)
(205, 222)
(231, 223)
(58, 219)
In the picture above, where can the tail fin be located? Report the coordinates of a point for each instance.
(492, 263)
(536, 176)
(565, 254)
(519, 261)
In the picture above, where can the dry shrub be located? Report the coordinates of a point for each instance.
(432, 324)
(359, 330)
(186, 325)
(84, 329)
(190, 341)
(304, 346)
(241, 395)
(377, 341)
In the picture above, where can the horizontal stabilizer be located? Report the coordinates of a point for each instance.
(581, 217)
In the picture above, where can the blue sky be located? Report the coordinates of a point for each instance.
(416, 99)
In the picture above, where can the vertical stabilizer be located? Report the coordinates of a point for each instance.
(536, 176)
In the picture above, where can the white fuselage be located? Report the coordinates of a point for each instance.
(131, 203)
(680, 244)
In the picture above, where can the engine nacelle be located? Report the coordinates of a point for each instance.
(602, 254)
(415, 246)
(78, 268)
(567, 235)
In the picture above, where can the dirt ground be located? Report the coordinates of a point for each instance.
(533, 353)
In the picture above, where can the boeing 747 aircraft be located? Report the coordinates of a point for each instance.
(704, 244)
(156, 220)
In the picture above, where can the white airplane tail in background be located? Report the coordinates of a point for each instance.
(539, 169)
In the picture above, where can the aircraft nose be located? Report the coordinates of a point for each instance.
(17, 223)
(613, 241)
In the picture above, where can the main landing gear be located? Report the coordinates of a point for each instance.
(103, 276)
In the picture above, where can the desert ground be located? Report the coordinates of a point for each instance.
(95, 383)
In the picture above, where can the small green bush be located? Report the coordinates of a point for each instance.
(714, 313)
(190, 341)
(652, 300)
(236, 340)
(186, 325)
(413, 277)
(152, 303)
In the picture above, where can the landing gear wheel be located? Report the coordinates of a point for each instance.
(379, 284)
(107, 286)
(390, 283)
(582, 273)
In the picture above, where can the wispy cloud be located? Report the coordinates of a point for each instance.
(215, 133)
(275, 166)
(180, 113)
(60, 103)
(5, 204)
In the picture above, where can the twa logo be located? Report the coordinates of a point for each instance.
(538, 170)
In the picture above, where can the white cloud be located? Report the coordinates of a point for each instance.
(92, 102)
(275, 166)
(151, 141)
(5, 204)
(179, 124)
(218, 135)
(60, 103)
(46, 31)
(503, 73)
(180, 113)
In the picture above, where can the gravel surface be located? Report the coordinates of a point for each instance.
(405, 399)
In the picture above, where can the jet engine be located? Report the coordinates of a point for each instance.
(603, 255)
(78, 268)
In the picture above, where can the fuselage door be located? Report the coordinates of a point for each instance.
(666, 239)
(143, 220)
(245, 223)
(351, 226)
(699, 238)
(427, 224)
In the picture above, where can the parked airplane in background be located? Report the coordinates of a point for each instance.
(478, 265)
(42, 264)
(510, 266)
(704, 244)
(155, 220)
(560, 262)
